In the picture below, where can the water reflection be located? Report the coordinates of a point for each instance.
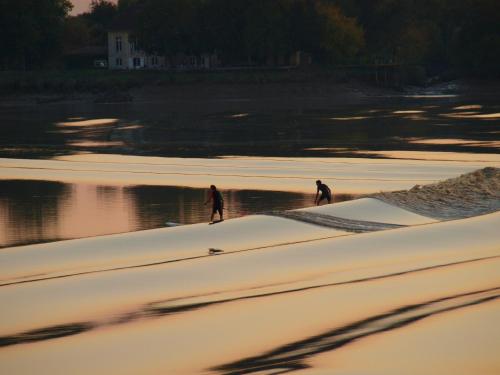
(29, 211)
(293, 356)
(255, 127)
(41, 211)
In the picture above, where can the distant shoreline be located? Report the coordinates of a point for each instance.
(95, 81)
(106, 86)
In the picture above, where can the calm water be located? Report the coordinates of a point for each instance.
(38, 211)
(272, 122)
(277, 121)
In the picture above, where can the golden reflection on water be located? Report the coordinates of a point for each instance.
(451, 141)
(92, 122)
(436, 155)
(466, 107)
(472, 115)
(352, 118)
(409, 112)
(465, 343)
(239, 115)
(241, 334)
(64, 211)
(40, 211)
(89, 143)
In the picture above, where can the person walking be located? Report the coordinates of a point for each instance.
(215, 196)
(326, 193)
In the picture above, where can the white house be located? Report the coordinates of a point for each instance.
(124, 52)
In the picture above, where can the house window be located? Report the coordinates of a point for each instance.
(133, 44)
(154, 60)
(118, 42)
(119, 61)
(137, 62)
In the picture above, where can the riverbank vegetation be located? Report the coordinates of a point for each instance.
(98, 81)
(438, 35)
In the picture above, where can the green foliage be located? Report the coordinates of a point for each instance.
(252, 32)
(439, 34)
(341, 38)
(77, 33)
(476, 46)
(168, 26)
(31, 31)
(436, 34)
(98, 19)
(124, 4)
(102, 12)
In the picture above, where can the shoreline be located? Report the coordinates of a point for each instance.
(107, 87)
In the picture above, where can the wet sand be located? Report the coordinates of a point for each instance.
(283, 295)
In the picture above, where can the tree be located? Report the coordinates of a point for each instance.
(77, 33)
(434, 33)
(124, 4)
(476, 47)
(98, 19)
(102, 12)
(31, 31)
(168, 26)
(341, 38)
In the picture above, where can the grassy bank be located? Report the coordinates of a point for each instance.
(68, 81)
(96, 81)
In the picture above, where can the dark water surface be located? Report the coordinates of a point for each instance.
(256, 121)
(281, 120)
(38, 211)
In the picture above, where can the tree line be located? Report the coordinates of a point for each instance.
(438, 34)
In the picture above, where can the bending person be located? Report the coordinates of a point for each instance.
(326, 193)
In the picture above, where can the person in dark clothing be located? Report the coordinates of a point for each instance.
(326, 193)
(217, 202)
